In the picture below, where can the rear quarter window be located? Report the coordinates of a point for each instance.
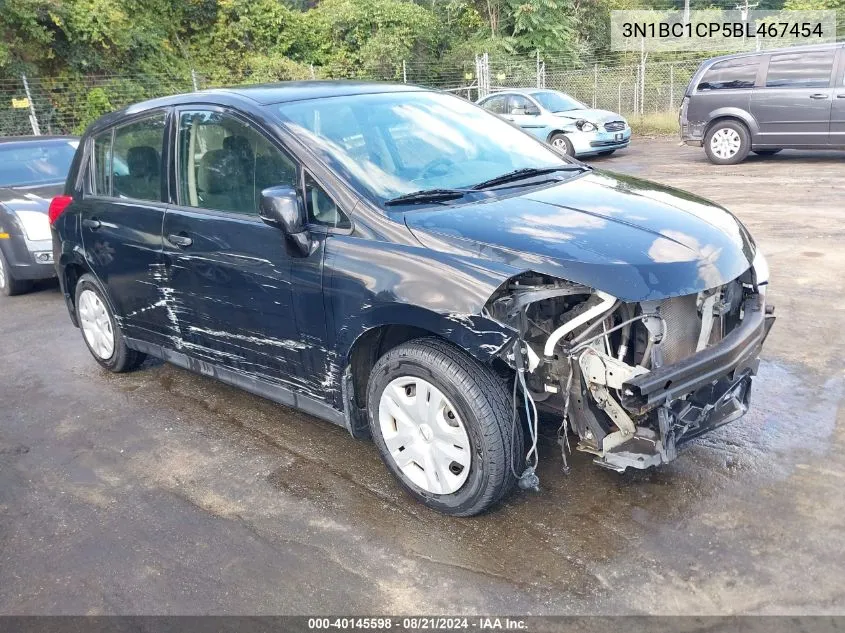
(731, 74)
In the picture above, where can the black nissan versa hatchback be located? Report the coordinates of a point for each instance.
(405, 264)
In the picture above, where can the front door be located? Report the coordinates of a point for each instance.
(121, 215)
(794, 106)
(523, 112)
(237, 286)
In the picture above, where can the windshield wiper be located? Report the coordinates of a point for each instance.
(525, 172)
(428, 195)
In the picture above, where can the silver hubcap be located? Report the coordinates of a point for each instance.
(424, 435)
(725, 143)
(560, 144)
(96, 325)
(2, 274)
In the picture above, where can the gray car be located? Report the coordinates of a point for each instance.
(765, 102)
(32, 170)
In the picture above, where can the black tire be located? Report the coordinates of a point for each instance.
(482, 400)
(123, 358)
(744, 142)
(562, 144)
(607, 153)
(766, 152)
(9, 286)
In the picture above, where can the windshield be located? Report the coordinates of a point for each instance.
(557, 101)
(33, 163)
(391, 144)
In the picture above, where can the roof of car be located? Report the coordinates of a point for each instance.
(260, 95)
(301, 90)
(768, 51)
(35, 139)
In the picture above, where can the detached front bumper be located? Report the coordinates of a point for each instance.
(696, 395)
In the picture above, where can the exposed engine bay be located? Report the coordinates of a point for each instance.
(633, 381)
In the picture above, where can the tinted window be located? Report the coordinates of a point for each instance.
(800, 70)
(136, 162)
(322, 209)
(497, 105)
(32, 163)
(731, 74)
(101, 182)
(224, 163)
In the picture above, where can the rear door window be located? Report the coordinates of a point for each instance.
(136, 159)
(497, 105)
(800, 70)
(731, 74)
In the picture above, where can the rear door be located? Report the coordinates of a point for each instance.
(793, 107)
(121, 214)
(236, 286)
(837, 114)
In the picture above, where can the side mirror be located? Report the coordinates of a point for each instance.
(281, 207)
(532, 111)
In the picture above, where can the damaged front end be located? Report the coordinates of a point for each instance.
(635, 380)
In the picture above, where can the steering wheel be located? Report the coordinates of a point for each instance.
(438, 167)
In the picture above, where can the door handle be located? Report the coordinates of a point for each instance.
(92, 224)
(182, 241)
(818, 96)
(841, 96)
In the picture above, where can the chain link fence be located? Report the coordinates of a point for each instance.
(66, 105)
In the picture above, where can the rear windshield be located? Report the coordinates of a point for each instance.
(731, 74)
(35, 163)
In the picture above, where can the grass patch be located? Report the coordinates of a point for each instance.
(654, 124)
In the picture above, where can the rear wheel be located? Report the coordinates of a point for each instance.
(562, 144)
(727, 142)
(100, 330)
(443, 425)
(10, 286)
(766, 152)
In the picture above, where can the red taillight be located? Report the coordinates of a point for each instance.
(57, 207)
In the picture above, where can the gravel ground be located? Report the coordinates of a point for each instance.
(164, 492)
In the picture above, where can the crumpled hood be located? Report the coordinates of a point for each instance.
(628, 237)
(591, 115)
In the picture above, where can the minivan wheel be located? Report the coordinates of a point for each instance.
(10, 286)
(562, 144)
(727, 143)
(100, 330)
(442, 423)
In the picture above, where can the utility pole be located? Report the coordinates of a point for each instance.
(686, 12)
(744, 9)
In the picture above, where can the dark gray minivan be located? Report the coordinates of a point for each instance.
(766, 101)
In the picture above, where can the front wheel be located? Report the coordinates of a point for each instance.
(727, 143)
(100, 330)
(443, 425)
(562, 144)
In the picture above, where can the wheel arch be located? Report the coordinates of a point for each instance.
(735, 114)
(476, 335)
(71, 269)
